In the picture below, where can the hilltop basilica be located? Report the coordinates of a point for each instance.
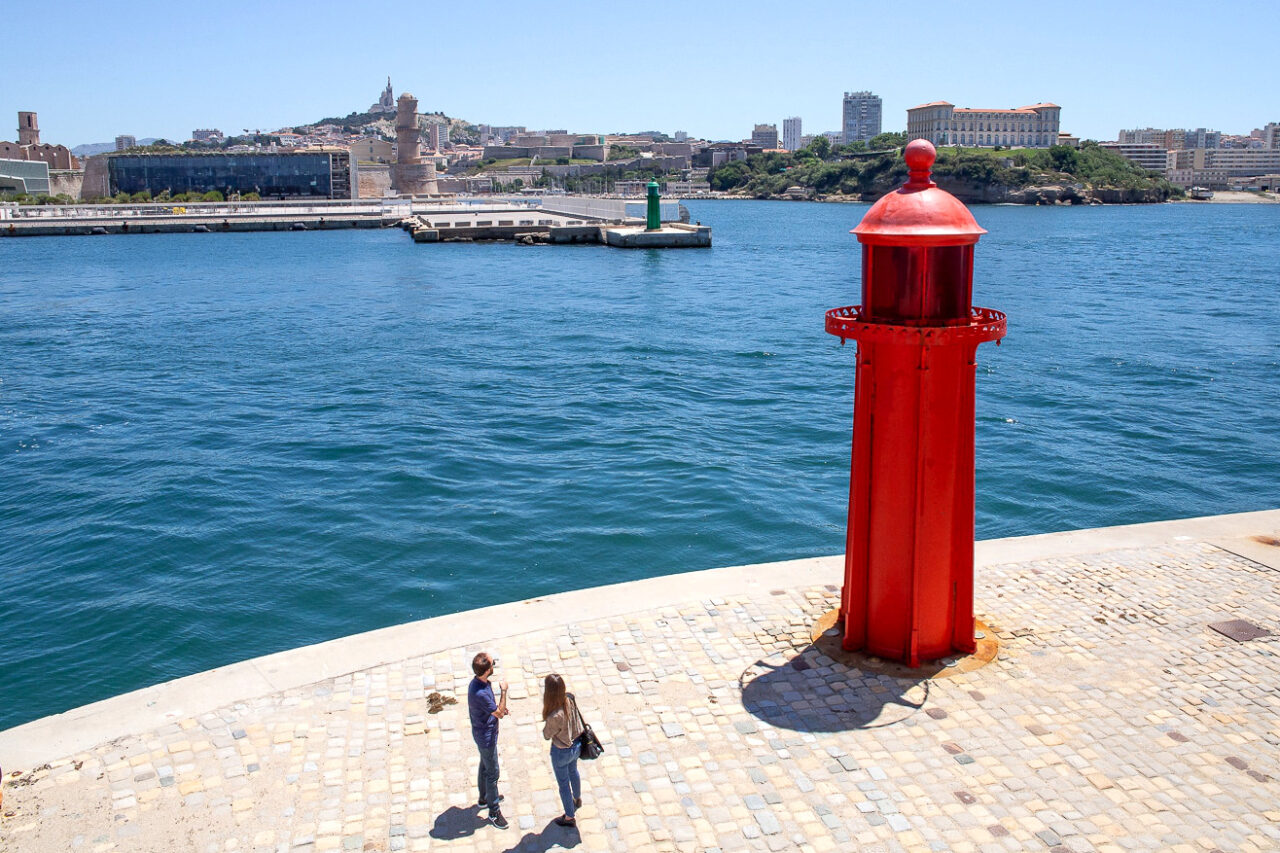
(386, 103)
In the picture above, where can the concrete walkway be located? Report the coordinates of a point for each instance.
(1113, 719)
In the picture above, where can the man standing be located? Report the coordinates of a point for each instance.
(485, 713)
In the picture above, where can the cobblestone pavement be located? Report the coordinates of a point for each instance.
(1114, 719)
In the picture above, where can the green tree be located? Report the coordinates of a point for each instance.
(885, 141)
(1065, 159)
(212, 195)
(821, 147)
(730, 176)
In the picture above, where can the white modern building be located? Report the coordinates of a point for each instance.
(940, 122)
(791, 133)
(1216, 168)
(1148, 155)
(861, 113)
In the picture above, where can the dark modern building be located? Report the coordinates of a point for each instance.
(319, 173)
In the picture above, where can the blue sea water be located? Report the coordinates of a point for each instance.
(218, 446)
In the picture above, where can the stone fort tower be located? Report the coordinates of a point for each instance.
(28, 129)
(411, 176)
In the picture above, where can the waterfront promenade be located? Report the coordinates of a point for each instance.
(1113, 718)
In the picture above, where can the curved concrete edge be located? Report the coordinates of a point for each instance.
(1234, 533)
(63, 735)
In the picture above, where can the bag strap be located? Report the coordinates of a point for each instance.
(576, 711)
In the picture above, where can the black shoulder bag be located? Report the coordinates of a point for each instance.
(590, 747)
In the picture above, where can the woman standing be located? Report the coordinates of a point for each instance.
(562, 725)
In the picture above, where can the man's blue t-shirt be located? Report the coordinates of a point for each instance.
(484, 725)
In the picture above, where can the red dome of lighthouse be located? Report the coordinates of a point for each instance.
(918, 213)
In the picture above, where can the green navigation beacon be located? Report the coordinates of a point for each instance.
(653, 220)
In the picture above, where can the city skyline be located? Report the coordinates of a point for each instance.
(710, 68)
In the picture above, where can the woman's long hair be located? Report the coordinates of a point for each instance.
(553, 696)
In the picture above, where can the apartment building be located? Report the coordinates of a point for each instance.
(1172, 139)
(1217, 168)
(765, 135)
(791, 134)
(1148, 155)
(860, 117)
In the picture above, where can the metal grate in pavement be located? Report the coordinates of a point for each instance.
(1239, 630)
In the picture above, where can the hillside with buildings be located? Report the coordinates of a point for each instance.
(1017, 155)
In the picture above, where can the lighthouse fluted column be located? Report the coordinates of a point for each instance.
(908, 591)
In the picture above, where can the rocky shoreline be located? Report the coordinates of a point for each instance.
(1053, 194)
(1062, 195)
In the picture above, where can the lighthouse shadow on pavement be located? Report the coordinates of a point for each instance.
(806, 690)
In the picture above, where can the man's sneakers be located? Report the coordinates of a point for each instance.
(498, 820)
(482, 802)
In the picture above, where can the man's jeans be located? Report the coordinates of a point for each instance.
(487, 777)
(565, 764)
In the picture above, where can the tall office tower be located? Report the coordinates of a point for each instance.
(765, 135)
(861, 116)
(125, 141)
(791, 134)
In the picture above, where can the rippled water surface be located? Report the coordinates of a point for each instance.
(218, 446)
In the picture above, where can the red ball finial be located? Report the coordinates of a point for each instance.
(920, 155)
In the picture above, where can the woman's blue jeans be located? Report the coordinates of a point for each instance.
(565, 764)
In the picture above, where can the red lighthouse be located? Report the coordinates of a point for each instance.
(908, 585)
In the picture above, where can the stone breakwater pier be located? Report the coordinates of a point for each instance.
(534, 219)
(560, 220)
(1130, 707)
(213, 217)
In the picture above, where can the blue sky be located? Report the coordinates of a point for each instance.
(94, 70)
